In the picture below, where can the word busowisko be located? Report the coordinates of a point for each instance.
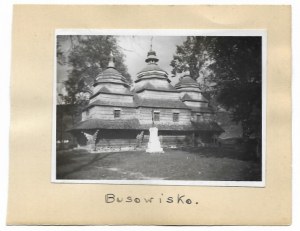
(178, 199)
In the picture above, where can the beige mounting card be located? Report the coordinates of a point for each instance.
(35, 200)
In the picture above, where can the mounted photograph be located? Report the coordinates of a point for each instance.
(162, 107)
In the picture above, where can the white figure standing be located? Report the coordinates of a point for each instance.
(154, 143)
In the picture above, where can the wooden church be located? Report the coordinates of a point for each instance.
(119, 118)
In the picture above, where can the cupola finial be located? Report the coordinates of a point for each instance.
(151, 43)
(111, 60)
(151, 56)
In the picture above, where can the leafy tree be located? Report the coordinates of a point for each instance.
(238, 74)
(233, 64)
(60, 57)
(88, 56)
(194, 55)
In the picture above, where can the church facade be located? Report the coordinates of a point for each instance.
(119, 117)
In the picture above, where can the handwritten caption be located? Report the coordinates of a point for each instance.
(178, 199)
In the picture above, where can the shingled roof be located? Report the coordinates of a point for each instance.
(111, 75)
(105, 90)
(187, 97)
(107, 124)
(186, 83)
(109, 103)
(151, 67)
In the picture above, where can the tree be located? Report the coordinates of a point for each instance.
(238, 74)
(88, 56)
(194, 55)
(233, 64)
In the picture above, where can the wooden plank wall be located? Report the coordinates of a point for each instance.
(107, 113)
(166, 116)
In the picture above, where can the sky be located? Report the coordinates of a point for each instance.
(135, 49)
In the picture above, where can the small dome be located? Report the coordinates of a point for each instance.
(187, 82)
(111, 75)
(151, 57)
(110, 71)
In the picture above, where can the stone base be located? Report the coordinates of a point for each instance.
(154, 144)
(157, 150)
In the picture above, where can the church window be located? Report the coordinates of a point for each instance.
(156, 116)
(175, 117)
(199, 118)
(117, 113)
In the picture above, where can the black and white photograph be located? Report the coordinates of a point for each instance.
(166, 107)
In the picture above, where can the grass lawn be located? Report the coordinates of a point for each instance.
(221, 164)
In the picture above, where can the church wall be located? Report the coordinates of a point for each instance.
(115, 140)
(117, 143)
(204, 116)
(166, 116)
(107, 113)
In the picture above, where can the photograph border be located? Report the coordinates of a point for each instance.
(168, 32)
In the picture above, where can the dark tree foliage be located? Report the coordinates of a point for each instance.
(233, 64)
(89, 55)
(238, 74)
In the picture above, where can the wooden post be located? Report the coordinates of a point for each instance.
(193, 139)
(95, 139)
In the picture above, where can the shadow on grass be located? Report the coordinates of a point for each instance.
(230, 152)
(66, 158)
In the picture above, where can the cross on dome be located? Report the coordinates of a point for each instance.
(111, 61)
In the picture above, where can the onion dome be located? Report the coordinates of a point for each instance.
(189, 89)
(152, 70)
(186, 83)
(111, 75)
(151, 57)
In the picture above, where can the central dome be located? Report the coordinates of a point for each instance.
(152, 70)
(151, 67)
